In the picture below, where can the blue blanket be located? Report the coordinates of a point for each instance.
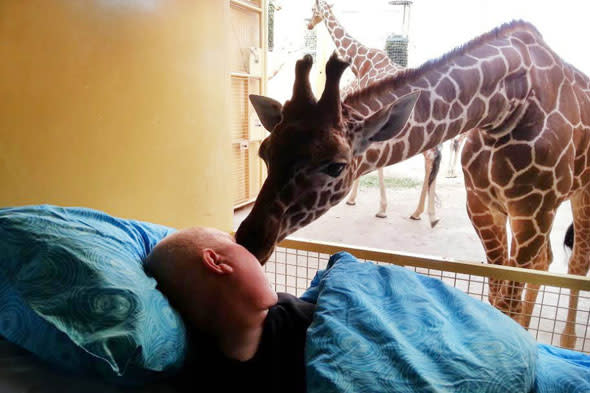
(388, 329)
(561, 370)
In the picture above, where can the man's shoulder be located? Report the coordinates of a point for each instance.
(291, 308)
(285, 297)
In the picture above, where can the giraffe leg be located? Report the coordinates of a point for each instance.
(432, 205)
(456, 147)
(568, 335)
(382, 213)
(490, 226)
(579, 262)
(530, 298)
(355, 189)
(532, 290)
(453, 158)
(420, 208)
(530, 250)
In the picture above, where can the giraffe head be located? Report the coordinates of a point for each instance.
(311, 154)
(317, 14)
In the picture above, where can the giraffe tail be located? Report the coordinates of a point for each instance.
(434, 172)
(568, 241)
(435, 165)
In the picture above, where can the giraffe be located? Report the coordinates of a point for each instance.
(370, 65)
(529, 154)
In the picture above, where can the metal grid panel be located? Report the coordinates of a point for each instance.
(291, 270)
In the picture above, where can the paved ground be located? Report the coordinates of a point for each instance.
(453, 237)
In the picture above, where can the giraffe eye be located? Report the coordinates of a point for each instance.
(334, 169)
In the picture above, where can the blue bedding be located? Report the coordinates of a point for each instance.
(387, 329)
(73, 291)
(561, 370)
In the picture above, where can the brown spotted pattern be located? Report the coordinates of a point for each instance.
(521, 174)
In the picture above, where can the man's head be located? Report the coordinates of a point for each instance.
(210, 279)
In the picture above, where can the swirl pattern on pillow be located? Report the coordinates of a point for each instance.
(73, 291)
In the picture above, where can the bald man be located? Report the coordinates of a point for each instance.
(242, 334)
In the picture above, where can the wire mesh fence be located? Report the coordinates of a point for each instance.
(293, 265)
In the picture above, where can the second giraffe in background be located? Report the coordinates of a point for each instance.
(370, 65)
(455, 147)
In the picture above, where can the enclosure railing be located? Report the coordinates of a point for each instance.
(295, 262)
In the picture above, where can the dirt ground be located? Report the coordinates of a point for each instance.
(453, 237)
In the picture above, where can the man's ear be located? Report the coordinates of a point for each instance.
(389, 121)
(267, 109)
(214, 262)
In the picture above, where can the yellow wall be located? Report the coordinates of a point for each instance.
(118, 105)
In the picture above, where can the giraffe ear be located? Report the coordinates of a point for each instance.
(267, 109)
(389, 121)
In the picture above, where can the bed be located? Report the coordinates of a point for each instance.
(337, 340)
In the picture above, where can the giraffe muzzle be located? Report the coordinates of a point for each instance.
(258, 237)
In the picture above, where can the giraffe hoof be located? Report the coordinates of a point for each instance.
(415, 218)
(433, 223)
(381, 215)
(351, 203)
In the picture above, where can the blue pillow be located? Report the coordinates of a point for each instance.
(73, 291)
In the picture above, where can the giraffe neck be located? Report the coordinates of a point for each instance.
(347, 47)
(484, 84)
